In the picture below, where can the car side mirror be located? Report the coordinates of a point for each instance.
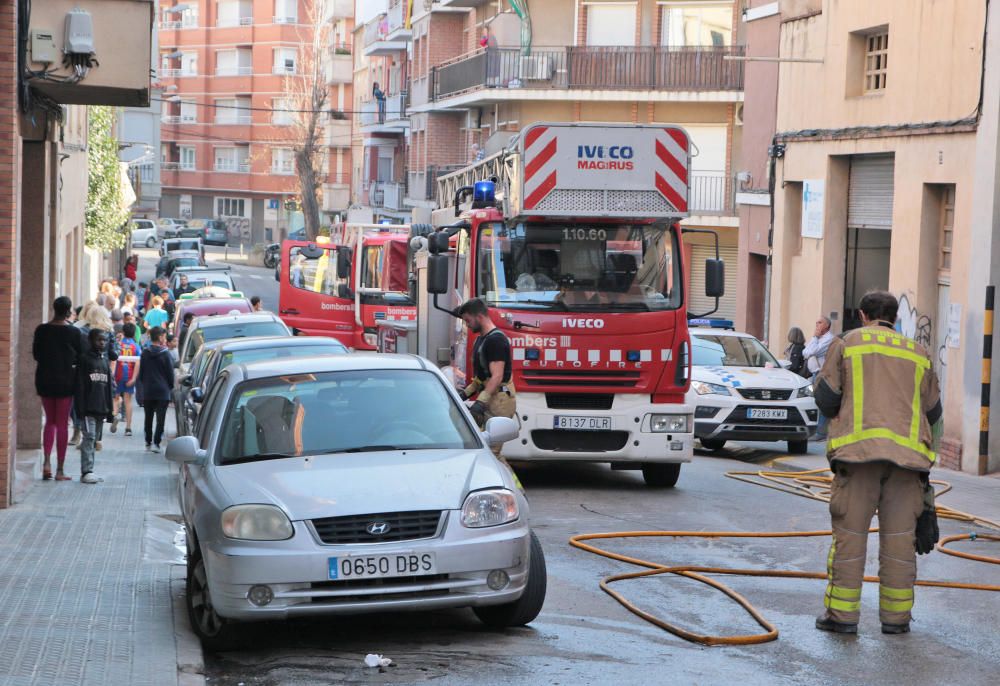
(437, 274)
(715, 278)
(499, 430)
(185, 449)
(197, 395)
(343, 263)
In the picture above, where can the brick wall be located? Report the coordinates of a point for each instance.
(950, 454)
(10, 150)
(446, 38)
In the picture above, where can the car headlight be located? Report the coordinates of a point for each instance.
(256, 523)
(489, 508)
(705, 388)
(805, 392)
(669, 423)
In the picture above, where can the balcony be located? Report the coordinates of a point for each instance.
(234, 71)
(232, 166)
(711, 193)
(377, 41)
(232, 119)
(338, 133)
(177, 73)
(283, 70)
(396, 18)
(387, 195)
(284, 20)
(339, 9)
(336, 196)
(422, 185)
(171, 119)
(393, 120)
(339, 68)
(591, 68)
(464, 3)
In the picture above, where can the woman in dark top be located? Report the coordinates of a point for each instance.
(56, 347)
(793, 353)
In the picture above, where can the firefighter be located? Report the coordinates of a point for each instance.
(491, 385)
(882, 397)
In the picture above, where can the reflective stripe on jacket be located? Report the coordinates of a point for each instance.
(888, 398)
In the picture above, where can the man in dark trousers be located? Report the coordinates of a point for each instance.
(491, 364)
(156, 374)
(93, 399)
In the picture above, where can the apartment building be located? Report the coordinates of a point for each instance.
(231, 72)
(887, 180)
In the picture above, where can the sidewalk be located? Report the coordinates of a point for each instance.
(88, 585)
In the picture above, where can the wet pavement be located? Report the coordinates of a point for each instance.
(584, 637)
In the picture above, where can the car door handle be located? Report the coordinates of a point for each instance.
(289, 311)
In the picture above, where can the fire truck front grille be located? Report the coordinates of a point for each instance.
(579, 441)
(579, 401)
(571, 377)
(616, 202)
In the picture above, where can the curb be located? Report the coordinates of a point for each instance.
(190, 659)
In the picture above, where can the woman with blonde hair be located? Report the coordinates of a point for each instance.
(156, 316)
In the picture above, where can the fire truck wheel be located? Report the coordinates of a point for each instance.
(659, 475)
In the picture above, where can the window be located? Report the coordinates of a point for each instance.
(230, 207)
(730, 351)
(282, 161)
(234, 13)
(187, 159)
(232, 111)
(225, 62)
(286, 11)
(189, 112)
(317, 274)
(876, 61)
(694, 25)
(284, 60)
(146, 173)
(234, 159)
(189, 64)
(280, 114)
(611, 23)
(947, 224)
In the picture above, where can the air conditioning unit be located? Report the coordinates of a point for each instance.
(738, 116)
(536, 68)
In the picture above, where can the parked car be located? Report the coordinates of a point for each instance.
(740, 392)
(211, 231)
(174, 244)
(143, 233)
(207, 329)
(209, 302)
(214, 357)
(349, 484)
(170, 228)
(202, 277)
(179, 258)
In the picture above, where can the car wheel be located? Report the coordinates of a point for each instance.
(525, 609)
(713, 443)
(798, 447)
(660, 475)
(216, 633)
(150, 242)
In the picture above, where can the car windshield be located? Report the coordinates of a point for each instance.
(272, 353)
(207, 334)
(201, 282)
(180, 244)
(342, 412)
(183, 262)
(730, 351)
(579, 267)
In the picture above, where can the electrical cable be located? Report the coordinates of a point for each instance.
(814, 484)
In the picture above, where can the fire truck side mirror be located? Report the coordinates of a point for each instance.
(715, 278)
(437, 274)
(343, 263)
(437, 243)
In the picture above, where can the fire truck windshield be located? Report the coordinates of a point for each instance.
(579, 267)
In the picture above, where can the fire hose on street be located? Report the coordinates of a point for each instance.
(814, 484)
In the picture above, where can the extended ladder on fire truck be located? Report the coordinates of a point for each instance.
(501, 168)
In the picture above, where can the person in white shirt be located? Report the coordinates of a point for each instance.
(815, 355)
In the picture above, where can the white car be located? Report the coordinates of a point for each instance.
(143, 233)
(170, 228)
(741, 393)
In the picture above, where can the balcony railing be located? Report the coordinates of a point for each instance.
(232, 166)
(234, 71)
(285, 20)
(711, 192)
(240, 21)
(396, 17)
(376, 30)
(387, 194)
(423, 184)
(231, 119)
(594, 68)
(171, 119)
(282, 70)
(394, 115)
(170, 166)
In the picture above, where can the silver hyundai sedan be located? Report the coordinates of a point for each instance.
(338, 485)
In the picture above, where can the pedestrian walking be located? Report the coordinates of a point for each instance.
(93, 399)
(129, 304)
(793, 353)
(255, 304)
(172, 348)
(56, 347)
(132, 268)
(815, 355)
(882, 397)
(156, 316)
(491, 386)
(156, 374)
(126, 376)
(95, 316)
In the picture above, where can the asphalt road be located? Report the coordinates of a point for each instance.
(584, 637)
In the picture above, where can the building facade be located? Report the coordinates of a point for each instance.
(234, 74)
(877, 127)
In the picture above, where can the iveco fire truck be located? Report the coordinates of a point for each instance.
(572, 238)
(344, 285)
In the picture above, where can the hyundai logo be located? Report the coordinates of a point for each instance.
(378, 528)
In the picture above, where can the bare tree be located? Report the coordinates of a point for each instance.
(307, 95)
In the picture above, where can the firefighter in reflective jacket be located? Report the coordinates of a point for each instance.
(881, 395)
(491, 385)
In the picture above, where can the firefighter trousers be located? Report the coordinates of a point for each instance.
(503, 403)
(858, 491)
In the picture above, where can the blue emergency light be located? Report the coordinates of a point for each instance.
(712, 323)
(484, 194)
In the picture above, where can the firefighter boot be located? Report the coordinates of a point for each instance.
(826, 623)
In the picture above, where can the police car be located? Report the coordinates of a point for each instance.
(741, 393)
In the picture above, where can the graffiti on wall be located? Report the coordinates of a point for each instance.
(913, 324)
(238, 228)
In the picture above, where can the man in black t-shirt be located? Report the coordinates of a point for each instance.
(491, 365)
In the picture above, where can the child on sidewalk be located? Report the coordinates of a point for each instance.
(126, 375)
(93, 399)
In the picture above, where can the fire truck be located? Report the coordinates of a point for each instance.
(572, 238)
(345, 284)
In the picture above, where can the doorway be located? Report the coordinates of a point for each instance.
(869, 230)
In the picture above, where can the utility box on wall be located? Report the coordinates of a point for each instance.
(91, 52)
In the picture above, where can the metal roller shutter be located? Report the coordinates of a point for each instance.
(698, 303)
(869, 196)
